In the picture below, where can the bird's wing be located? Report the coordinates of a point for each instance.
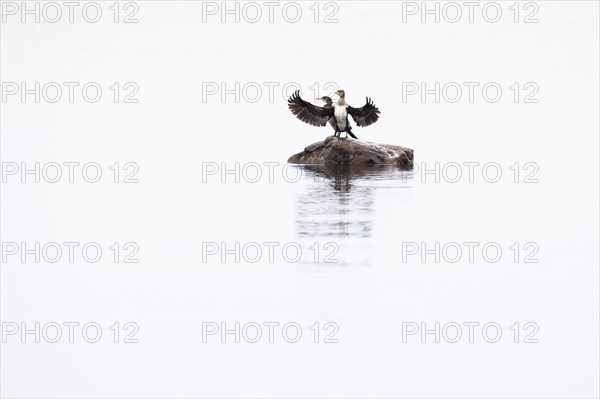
(366, 115)
(307, 112)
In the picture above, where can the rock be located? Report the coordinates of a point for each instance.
(315, 146)
(356, 153)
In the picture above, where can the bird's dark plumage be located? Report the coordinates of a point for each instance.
(336, 114)
(329, 104)
(366, 115)
(307, 112)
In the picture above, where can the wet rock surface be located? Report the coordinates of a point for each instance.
(354, 153)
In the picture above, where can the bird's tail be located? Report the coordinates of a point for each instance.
(352, 135)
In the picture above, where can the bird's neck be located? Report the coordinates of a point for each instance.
(341, 101)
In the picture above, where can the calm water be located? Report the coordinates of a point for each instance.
(339, 205)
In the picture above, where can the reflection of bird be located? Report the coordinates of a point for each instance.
(338, 114)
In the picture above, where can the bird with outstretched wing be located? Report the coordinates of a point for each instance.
(336, 115)
(366, 115)
(307, 112)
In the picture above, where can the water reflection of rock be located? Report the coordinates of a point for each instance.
(338, 201)
(348, 171)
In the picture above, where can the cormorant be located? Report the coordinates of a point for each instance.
(327, 100)
(337, 115)
(328, 104)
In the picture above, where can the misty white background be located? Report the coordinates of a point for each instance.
(170, 212)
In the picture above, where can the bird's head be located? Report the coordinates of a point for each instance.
(325, 99)
(341, 93)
